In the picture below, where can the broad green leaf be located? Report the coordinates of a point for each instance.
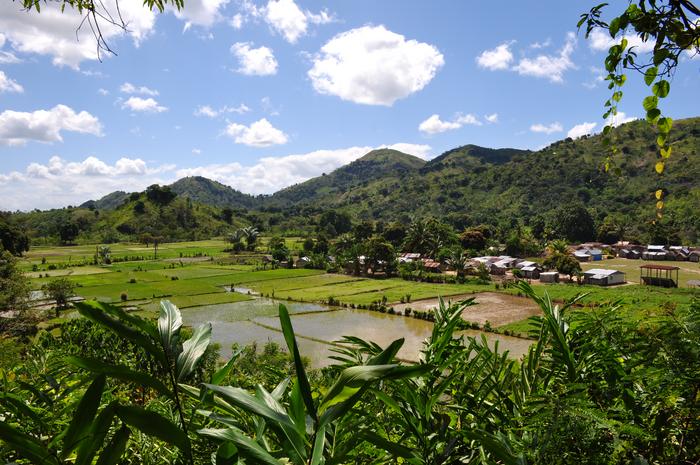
(317, 454)
(660, 55)
(653, 115)
(93, 311)
(26, 446)
(226, 453)
(614, 27)
(242, 399)
(192, 351)
(84, 415)
(222, 373)
(666, 152)
(120, 372)
(112, 453)
(19, 406)
(396, 450)
(661, 139)
(98, 432)
(169, 324)
(153, 424)
(650, 102)
(290, 339)
(650, 75)
(245, 445)
(665, 124)
(661, 88)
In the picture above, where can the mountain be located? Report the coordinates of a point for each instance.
(108, 202)
(378, 166)
(468, 185)
(213, 193)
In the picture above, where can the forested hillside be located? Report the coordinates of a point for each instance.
(464, 187)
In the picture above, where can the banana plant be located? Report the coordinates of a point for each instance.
(101, 427)
(303, 429)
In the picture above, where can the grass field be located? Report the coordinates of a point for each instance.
(198, 283)
(688, 270)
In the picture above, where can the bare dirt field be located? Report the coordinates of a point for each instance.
(498, 309)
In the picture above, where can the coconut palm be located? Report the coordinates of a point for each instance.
(104, 252)
(250, 233)
(558, 246)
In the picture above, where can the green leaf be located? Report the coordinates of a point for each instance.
(84, 415)
(396, 450)
(218, 377)
(666, 153)
(169, 324)
(317, 454)
(98, 433)
(659, 167)
(650, 102)
(614, 27)
(661, 88)
(245, 445)
(660, 55)
(290, 339)
(119, 372)
(26, 446)
(226, 453)
(650, 75)
(153, 424)
(192, 351)
(653, 115)
(661, 140)
(664, 125)
(112, 453)
(95, 311)
(241, 398)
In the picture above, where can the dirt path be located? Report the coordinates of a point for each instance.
(499, 309)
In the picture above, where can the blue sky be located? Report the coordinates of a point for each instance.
(262, 94)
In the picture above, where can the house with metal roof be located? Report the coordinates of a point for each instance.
(602, 277)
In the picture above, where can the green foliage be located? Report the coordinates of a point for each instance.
(60, 290)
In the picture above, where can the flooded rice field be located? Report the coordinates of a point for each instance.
(318, 326)
(499, 309)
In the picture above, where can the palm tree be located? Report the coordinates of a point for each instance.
(104, 253)
(458, 260)
(251, 234)
(558, 246)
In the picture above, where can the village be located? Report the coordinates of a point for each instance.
(505, 267)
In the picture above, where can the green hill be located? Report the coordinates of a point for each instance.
(378, 166)
(212, 193)
(108, 202)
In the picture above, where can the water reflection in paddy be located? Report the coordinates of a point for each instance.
(257, 321)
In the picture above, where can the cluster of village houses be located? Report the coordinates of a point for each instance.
(653, 274)
(504, 265)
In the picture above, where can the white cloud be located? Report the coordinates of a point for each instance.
(237, 21)
(581, 130)
(9, 85)
(53, 33)
(550, 67)
(547, 128)
(492, 118)
(254, 61)
(147, 105)
(202, 13)
(6, 58)
(102, 91)
(259, 134)
(287, 19)
(209, 112)
(373, 66)
(601, 41)
(434, 125)
(498, 58)
(538, 45)
(17, 128)
(196, 151)
(59, 182)
(620, 118)
(271, 174)
(129, 88)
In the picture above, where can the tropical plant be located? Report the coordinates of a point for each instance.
(60, 290)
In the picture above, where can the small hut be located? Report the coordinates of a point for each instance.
(549, 277)
(601, 277)
(659, 275)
